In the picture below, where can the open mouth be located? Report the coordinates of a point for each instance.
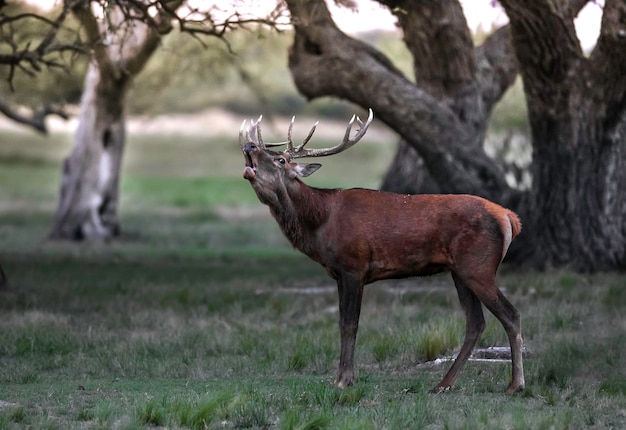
(249, 172)
(249, 162)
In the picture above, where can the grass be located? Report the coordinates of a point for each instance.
(202, 316)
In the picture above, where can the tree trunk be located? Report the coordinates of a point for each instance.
(577, 113)
(579, 212)
(90, 177)
(408, 174)
(88, 199)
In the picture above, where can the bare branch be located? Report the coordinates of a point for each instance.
(204, 23)
(159, 26)
(36, 119)
(31, 59)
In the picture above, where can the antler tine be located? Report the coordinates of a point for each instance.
(362, 126)
(307, 138)
(258, 131)
(241, 137)
(300, 152)
(346, 136)
(254, 132)
(289, 142)
(295, 152)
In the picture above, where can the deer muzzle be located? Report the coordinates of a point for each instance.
(249, 172)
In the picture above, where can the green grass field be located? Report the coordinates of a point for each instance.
(202, 316)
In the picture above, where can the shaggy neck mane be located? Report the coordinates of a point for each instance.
(300, 211)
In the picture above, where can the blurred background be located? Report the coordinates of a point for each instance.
(184, 110)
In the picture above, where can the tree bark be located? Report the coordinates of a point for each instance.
(88, 198)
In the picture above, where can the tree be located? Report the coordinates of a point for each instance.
(90, 177)
(574, 212)
(122, 37)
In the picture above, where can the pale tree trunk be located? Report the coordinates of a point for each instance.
(90, 178)
(89, 194)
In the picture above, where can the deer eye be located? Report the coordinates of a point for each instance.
(281, 160)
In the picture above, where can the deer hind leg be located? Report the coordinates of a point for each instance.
(474, 326)
(510, 319)
(491, 296)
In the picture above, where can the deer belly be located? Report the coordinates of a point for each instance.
(391, 262)
(404, 267)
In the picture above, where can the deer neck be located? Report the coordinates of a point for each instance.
(300, 210)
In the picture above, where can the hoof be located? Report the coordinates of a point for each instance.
(441, 389)
(343, 383)
(514, 388)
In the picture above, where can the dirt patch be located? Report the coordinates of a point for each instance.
(7, 405)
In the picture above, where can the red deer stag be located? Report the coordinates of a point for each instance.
(361, 236)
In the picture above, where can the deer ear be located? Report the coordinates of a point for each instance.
(305, 170)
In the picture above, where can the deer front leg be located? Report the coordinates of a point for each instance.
(350, 297)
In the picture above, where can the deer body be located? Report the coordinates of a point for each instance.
(361, 236)
(398, 236)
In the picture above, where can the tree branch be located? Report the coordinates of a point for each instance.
(324, 62)
(437, 36)
(545, 66)
(95, 38)
(497, 66)
(205, 24)
(157, 27)
(36, 119)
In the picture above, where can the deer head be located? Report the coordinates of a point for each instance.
(270, 172)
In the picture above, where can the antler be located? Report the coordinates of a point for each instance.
(300, 151)
(253, 134)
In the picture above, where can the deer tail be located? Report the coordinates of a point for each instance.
(512, 228)
(516, 224)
